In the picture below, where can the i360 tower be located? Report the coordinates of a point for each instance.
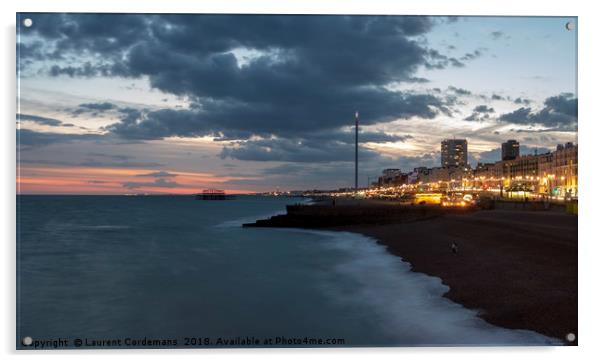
(357, 121)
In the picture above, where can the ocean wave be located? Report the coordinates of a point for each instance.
(83, 227)
(237, 223)
(411, 305)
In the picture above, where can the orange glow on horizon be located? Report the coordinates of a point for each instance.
(90, 180)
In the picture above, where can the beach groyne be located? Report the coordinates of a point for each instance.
(324, 216)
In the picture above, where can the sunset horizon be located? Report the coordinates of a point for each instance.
(257, 111)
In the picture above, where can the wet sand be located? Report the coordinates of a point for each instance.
(517, 268)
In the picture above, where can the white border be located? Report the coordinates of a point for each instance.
(589, 129)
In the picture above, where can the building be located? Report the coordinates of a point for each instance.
(425, 175)
(454, 153)
(553, 173)
(558, 173)
(523, 167)
(419, 175)
(489, 176)
(437, 175)
(392, 177)
(510, 150)
(489, 171)
(391, 173)
(460, 176)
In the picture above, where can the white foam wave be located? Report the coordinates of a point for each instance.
(411, 304)
(235, 223)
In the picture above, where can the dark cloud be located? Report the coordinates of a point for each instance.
(124, 164)
(522, 115)
(29, 138)
(99, 106)
(480, 113)
(85, 70)
(522, 101)
(206, 37)
(241, 121)
(475, 116)
(292, 150)
(459, 91)
(110, 156)
(85, 34)
(436, 60)
(159, 174)
(94, 108)
(348, 137)
(559, 112)
(296, 91)
(157, 183)
(483, 109)
(320, 147)
(93, 163)
(564, 103)
(41, 120)
(472, 56)
(418, 80)
(306, 73)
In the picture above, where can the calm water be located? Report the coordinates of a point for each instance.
(174, 267)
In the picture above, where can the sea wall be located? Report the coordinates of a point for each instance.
(569, 207)
(521, 205)
(321, 216)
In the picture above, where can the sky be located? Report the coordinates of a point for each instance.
(143, 103)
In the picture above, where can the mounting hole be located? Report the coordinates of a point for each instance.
(569, 26)
(27, 341)
(27, 22)
(571, 337)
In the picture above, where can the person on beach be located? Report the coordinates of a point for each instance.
(454, 248)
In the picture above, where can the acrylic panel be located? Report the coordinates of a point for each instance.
(274, 181)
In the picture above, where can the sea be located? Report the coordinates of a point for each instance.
(175, 272)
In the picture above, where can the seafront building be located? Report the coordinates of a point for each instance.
(552, 174)
(559, 171)
(454, 153)
(392, 177)
(510, 150)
